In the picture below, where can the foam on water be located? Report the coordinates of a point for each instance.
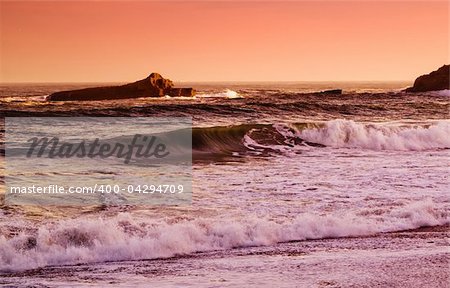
(350, 134)
(443, 92)
(125, 237)
(230, 94)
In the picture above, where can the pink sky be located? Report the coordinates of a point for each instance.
(222, 41)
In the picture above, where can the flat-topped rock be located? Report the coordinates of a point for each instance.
(186, 92)
(152, 86)
(436, 80)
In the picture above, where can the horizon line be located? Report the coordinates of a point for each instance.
(207, 81)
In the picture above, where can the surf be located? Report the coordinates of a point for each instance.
(126, 237)
(281, 137)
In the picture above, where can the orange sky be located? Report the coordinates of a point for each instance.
(221, 41)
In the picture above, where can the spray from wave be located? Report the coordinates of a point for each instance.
(229, 94)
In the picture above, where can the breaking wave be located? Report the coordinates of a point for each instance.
(343, 133)
(124, 238)
(268, 138)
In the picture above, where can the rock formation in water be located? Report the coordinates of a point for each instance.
(436, 80)
(331, 92)
(186, 92)
(152, 86)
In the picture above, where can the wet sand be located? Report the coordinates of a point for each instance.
(413, 258)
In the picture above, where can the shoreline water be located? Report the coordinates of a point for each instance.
(401, 258)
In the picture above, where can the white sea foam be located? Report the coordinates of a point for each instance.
(126, 238)
(443, 92)
(345, 133)
(230, 94)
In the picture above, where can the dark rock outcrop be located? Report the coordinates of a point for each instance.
(436, 80)
(187, 92)
(152, 86)
(333, 92)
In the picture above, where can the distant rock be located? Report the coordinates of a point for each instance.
(152, 86)
(333, 91)
(436, 80)
(186, 92)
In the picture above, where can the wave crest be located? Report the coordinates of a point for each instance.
(349, 134)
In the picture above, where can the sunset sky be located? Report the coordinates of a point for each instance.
(222, 41)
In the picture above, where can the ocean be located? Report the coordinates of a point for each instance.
(289, 187)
